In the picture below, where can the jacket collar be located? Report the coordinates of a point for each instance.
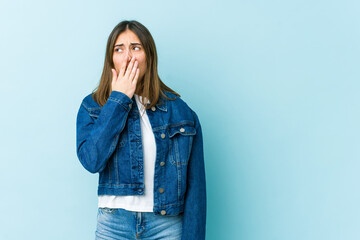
(161, 104)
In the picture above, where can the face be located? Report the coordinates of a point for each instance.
(126, 46)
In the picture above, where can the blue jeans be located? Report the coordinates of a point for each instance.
(121, 224)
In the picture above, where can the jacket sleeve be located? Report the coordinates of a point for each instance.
(194, 218)
(96, 139)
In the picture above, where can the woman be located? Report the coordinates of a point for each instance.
(146, 144)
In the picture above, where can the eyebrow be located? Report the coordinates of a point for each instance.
(120, 45)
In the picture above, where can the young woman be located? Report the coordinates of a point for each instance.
(146, 144)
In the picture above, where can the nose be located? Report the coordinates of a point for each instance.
(128, 56)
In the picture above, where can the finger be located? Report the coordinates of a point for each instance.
(123, 67)
(129, 67)
(136, 76)
(133, 70)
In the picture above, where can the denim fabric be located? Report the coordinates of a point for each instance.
(121, 224)
(108, 141)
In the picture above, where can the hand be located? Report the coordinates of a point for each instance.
(126, 81)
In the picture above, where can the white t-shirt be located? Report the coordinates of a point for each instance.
(139, 203)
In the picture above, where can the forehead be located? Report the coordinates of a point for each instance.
(126, 37)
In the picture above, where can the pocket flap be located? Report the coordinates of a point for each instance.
(184, 130)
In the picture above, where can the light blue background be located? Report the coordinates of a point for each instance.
(275, 85)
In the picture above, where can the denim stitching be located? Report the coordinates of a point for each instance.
(117, 101)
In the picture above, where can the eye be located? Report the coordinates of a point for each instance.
(117, 50)
(137, 47)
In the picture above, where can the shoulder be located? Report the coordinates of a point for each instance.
(89, 103)
(180, 105)
(177, 102)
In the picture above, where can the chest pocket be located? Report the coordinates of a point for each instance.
(181, 138)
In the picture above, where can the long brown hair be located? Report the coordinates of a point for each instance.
(151, 87)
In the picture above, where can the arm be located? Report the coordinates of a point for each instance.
(194, 221)
(96, 139)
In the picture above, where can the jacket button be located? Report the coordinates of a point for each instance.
(163, 135)
(163, 212)
(153, 108)
(161, 190)
(182, 129)
(162, 163)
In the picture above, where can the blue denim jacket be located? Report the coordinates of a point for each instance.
(108, 141)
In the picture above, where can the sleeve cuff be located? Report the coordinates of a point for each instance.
(121, 98)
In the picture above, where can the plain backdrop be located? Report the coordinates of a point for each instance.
(275, 85)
